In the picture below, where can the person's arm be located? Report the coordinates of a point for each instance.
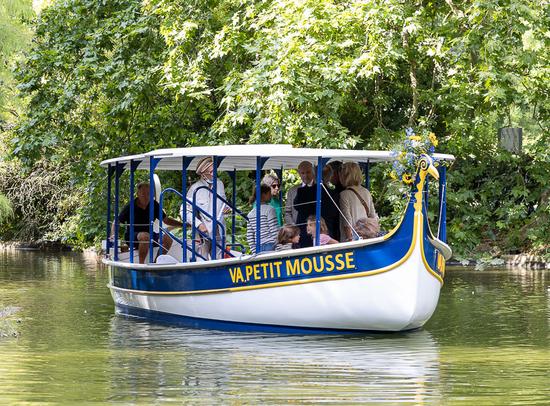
(332, 241)
(172, 222)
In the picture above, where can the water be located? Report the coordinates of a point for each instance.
(488, 343)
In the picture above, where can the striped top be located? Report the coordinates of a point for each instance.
(269, 226)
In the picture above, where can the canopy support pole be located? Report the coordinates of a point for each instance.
(185, 161)
(153, 162)
(118, 172)
(133, 167)
(233, 175)
(365, 166)
(110, 171)
(442, 203)
(320, 165)
(260, 162)
(279, 173)
(216, 160)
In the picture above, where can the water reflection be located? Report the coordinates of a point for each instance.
(222, 367)
(487, 343)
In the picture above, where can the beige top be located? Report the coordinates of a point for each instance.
(352, 208)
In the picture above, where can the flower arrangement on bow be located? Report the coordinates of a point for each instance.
(408, 152)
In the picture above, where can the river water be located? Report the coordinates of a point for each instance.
(487, 343)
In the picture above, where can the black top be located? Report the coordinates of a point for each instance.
(141, 217)
(305, 202)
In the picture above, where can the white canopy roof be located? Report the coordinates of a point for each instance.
(243, 157)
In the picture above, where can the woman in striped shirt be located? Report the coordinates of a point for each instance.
(269, 226)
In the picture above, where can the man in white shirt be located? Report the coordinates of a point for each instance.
(307, 174)
(205, 200)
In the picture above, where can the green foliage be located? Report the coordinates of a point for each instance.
(6, 211)
(15, 18)
(42, 200)
(121, 77)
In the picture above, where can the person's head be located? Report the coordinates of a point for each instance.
(351, 174)
(205, 169)
(327, 174)
(366, 227)
(265, 194)
(306, 172)
(288, 234)
(311, 225)
(143, 192)
(273, 182)
(336, 167)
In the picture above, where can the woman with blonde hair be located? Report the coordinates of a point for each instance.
(355, 200)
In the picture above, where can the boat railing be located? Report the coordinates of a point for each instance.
(216, 223)
(194, 229)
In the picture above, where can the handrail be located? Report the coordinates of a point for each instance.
(181, 242)
(215, 222)
(194, 229)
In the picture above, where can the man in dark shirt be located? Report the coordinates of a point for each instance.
(141, 222)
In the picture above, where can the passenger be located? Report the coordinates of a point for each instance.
(355, 200)
(288, 238)
(324, 237)
(204, 200)
(367, 227)
(336, 167)
(268, 223)
(329, 204)
(305, 170)
(141, 223)
(274, 183)
(305, 201)
(333, 223)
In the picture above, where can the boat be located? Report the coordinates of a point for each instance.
(388, 283)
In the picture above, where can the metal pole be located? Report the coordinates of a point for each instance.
(443, 202)
(233, 176)
(133, 167)
(152, 165)
(320, 165)
(279, 173)
(214, 206)
(109, 181)
(258, 202)
(117, 199)
(184, 165)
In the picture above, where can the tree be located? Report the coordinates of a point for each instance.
(15, 18)
(107, 78)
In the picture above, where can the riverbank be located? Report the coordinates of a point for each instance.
(528, 261)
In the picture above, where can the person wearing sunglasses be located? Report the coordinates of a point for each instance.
(274, 183)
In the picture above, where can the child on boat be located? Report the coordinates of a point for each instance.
(269, 226)
(288, 238)
(324, 238)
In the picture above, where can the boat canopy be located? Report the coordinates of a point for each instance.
(243, 157)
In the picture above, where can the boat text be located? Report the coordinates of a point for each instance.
(266, 271)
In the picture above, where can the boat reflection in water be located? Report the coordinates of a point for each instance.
(163, 362)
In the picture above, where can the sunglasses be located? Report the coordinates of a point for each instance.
(276, 186)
